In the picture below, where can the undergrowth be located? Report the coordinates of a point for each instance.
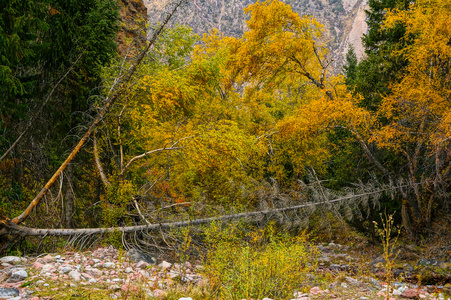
(262, 263)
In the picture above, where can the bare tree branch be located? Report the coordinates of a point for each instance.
(98, 163)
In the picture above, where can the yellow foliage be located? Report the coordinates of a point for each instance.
(419, 108)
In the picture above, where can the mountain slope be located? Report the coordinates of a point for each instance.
(343, 19)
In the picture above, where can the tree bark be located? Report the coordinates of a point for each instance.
(69, 198)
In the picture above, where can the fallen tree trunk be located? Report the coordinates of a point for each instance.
(15, 229)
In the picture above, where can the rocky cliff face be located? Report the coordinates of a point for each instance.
(344, 20)
(133, 15)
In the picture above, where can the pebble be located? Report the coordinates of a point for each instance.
(109, 265)
(66, 270)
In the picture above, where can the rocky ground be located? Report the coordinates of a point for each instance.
(117, 274)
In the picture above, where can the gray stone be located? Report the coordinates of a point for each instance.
(6, 292)
(352, 281)
(18, 276)
(11, 260)
(66, 270)
(137, 256)
(128, 270)
(428, 262)
(95, 272)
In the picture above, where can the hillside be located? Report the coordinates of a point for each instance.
(344, 20)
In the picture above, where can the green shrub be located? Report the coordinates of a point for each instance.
(264, 264)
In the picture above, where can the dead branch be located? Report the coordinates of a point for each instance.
(15, 229)
(148, 153)
(99, 164)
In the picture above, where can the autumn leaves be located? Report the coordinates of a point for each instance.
(265, 105)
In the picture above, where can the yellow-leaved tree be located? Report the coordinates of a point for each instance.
(417, 114)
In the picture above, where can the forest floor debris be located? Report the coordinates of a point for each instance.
(109, 273)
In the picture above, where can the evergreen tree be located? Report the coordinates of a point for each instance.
(39, 42)
(350, 69)
(380, 66)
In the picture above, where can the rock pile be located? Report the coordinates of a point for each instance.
(21, 277)
(118, 273)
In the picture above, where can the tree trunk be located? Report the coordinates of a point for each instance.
(69, 199)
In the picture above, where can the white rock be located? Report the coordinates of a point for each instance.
(128, 270)
(267, 299)
(397, 292)
(75, 275)
(92, 280)
(344, 285)
(165, 265)
(11, 259)
(109, 265)
(46, 268)
(18, 276)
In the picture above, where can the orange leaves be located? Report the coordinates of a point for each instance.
(304, 135)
